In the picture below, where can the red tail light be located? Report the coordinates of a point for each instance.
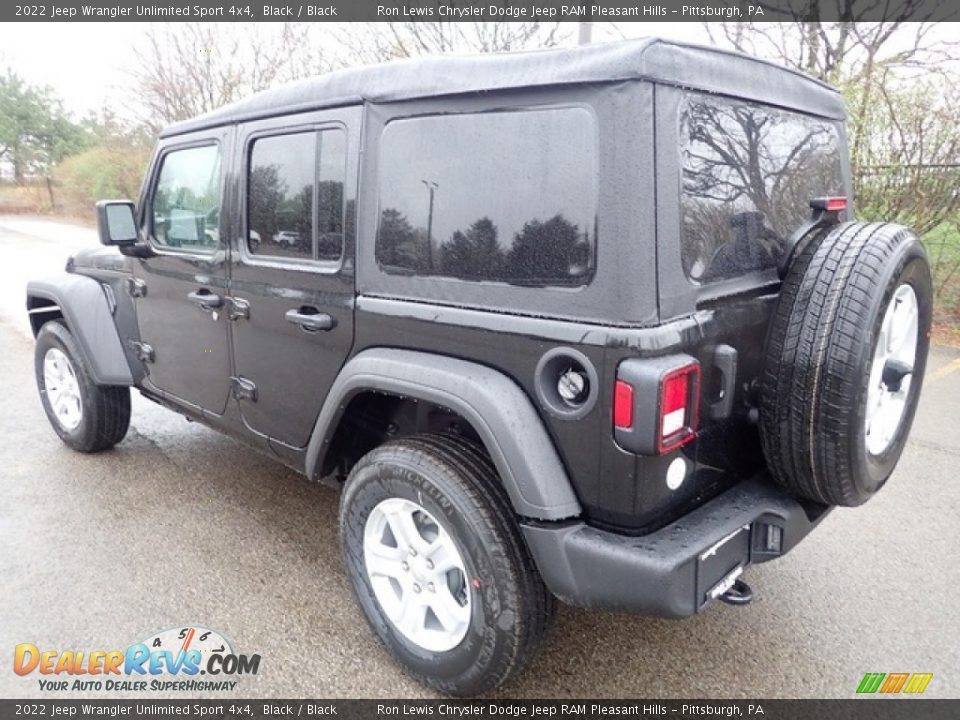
(623, 405)
(679, 408)
(656, 402)
(830, 204)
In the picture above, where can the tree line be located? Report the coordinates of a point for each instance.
(554, 250)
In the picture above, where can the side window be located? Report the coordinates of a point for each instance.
(749, 172)
(502, 196)
(186, 201)
(331, 177)
(295, 195)
(280, 196)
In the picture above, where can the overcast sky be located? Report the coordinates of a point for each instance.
(85, 63)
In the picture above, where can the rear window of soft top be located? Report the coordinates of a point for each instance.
(748, 174)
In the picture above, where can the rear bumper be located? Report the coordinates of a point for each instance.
(679, 569)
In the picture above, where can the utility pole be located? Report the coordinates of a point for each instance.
(432, 188)
(586, 33)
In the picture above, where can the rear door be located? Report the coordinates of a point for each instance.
(292, 278)
(181, 289)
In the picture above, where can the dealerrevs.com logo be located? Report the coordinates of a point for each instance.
(191, 659)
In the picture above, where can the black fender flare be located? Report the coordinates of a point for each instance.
(88, 312)
(495, 406)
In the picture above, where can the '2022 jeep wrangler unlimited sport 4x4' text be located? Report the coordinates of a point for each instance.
(587, 324)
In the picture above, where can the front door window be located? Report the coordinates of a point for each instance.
(186, 201)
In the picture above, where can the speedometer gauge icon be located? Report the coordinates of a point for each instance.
(188, 638)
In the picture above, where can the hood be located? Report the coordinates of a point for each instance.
(100, 258)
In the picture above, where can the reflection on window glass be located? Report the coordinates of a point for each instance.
(186, 202)
(749, 173)
(280, 196)
(506, 196)
(332, 174)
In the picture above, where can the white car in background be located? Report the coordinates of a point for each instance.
(287, 238)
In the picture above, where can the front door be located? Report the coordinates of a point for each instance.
(292, 269)
(181, 289)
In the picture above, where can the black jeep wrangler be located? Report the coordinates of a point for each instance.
(588, 324)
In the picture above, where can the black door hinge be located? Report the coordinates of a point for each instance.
(243, 389)
(238, 308)
(144, 352)
(136, 287)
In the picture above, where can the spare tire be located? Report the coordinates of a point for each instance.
(844, 361)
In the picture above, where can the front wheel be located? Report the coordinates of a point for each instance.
(438, 564)
(87, 417)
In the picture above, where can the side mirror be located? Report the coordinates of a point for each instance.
(116, 222)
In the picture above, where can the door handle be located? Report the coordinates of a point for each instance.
(310, 319)
(205, 299)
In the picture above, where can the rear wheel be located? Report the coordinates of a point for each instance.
(845, 357)
(87, 417)
(891, 372)
(438, 564)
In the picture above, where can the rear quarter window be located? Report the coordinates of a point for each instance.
(494, 196)
(748, 174)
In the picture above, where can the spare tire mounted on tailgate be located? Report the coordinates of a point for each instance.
(844, 360)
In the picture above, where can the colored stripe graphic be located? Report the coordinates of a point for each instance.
(870, 682)
(918, 682)
(894, 683)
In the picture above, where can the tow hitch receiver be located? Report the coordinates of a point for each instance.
(732, 590)
(738, 594)
(721, 567)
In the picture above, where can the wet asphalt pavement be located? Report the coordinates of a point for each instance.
(179, 525)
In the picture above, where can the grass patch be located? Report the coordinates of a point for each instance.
(21, 199)
(943, 247)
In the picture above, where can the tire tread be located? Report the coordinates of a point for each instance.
(523, 595)
(106, 407)
(818, 342)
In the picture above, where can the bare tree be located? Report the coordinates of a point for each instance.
(185, 69)
(873, 62)
(377, 42)
(899, 79)
(909, 157)
(848, 48)
(863, 56)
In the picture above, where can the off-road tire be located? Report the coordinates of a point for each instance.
(818, 355)
(105, 415)
(454, 480)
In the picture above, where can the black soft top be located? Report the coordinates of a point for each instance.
(662, 61)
